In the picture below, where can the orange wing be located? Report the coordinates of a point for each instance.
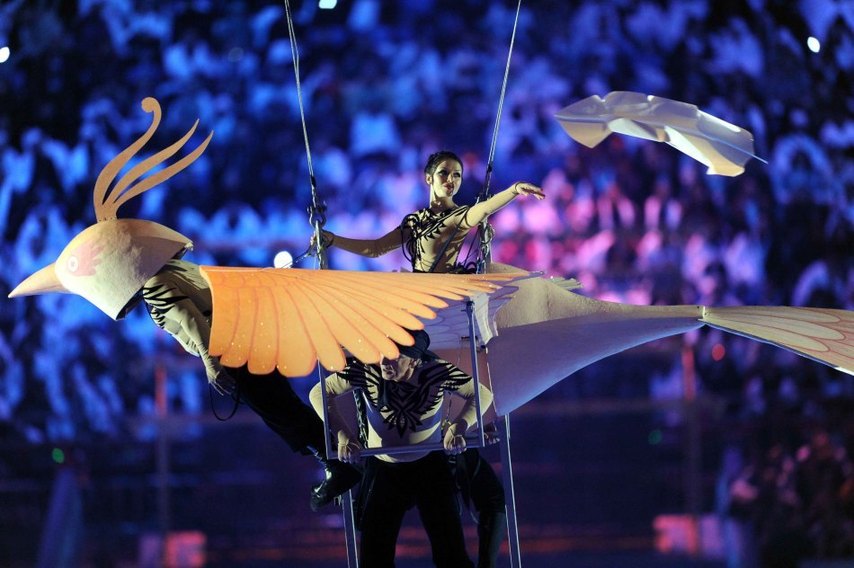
(288, 319)
(824, 335)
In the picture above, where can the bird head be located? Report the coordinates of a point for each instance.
(108, 262)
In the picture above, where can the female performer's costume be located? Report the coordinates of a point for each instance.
(432, 241)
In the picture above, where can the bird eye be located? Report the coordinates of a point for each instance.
(73, 264)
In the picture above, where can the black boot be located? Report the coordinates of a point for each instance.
(491, 530)
(340, 477)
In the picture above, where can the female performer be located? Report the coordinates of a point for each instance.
(432, 237)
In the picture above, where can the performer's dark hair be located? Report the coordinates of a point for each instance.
(437, 157)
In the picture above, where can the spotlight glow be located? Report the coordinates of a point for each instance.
(5, 52)
(327, 4)
(813, 44)
(283, 259)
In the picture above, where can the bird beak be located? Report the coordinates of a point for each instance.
(42, 282)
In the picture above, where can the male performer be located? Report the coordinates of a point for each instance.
(404, 402)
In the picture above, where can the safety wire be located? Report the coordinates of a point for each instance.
(317, 208)
(316, 215)
(484, 231)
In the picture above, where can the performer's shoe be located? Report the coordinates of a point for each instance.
(340, 477)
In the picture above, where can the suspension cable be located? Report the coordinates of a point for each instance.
(484, 231)
(317, 209)
(484, 194)
(316, 213)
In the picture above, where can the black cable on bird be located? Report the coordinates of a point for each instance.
(317, 209)
(484, 231)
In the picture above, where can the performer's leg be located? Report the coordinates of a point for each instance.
(383, 508)
(487, 496)
(275, 401)
(437, 506)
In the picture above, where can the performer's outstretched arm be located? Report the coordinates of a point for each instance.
(370, 248)
(479, 211)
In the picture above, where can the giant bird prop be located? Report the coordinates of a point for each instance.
(288, 319)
